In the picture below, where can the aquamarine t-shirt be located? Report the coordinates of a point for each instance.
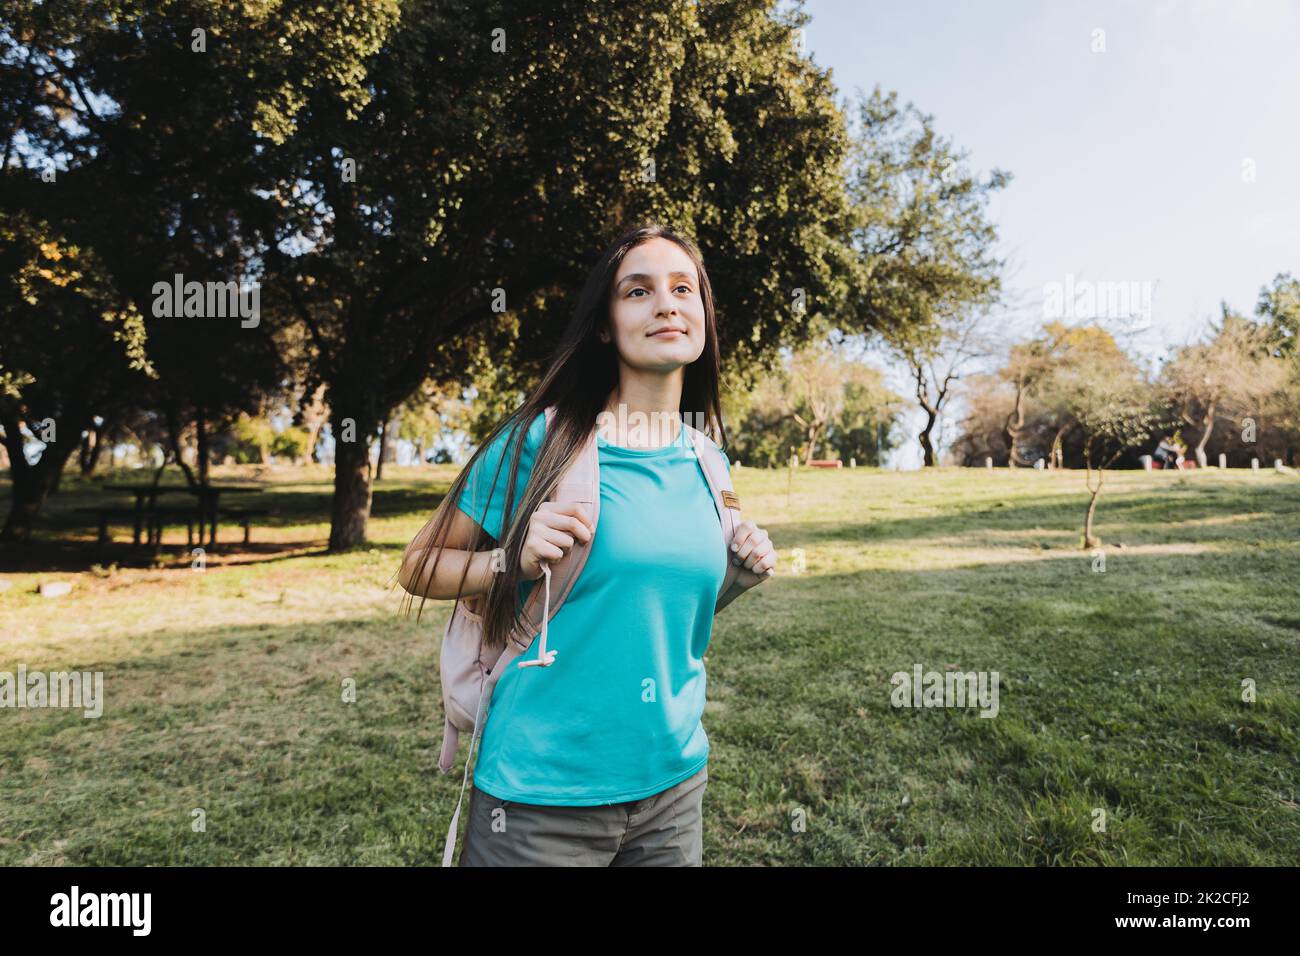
(616, 717)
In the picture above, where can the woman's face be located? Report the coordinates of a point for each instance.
(656, 313)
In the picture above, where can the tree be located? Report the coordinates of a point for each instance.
(1107, 398)
(464, 200)
(987, 402)
(927, 271)
(1027, 365)
(819, 399)
(870, 410)
(1042, 379)
(156, 180)
(432, 413)
(937, 362)
(68, 346)
(1234, 371)
(814, 393)
(1279, 308)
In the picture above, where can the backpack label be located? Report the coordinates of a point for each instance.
(730, 499)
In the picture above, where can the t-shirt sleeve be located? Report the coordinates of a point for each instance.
(484, 496)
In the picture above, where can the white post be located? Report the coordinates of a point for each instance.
(1254, 464)
(1223, 460)
(853, 463)
(1146, 462)
(1277, 464)
(988, 462)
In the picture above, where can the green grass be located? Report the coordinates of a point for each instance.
(1119, 690)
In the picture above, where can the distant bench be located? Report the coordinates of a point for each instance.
(826, 463)
(159, 518)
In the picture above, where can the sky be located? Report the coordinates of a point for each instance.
(1162, 152)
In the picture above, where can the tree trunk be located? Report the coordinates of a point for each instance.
(813, 431)
(383, 449)
(31, 484)
(201, 441)
(1013, 426)
(315, 441)
(1208, 422)
(1088, 540)
(927, 447)
(1056, 457)
(93, 445)
(350, 507)
(312, 415)
(174, 432)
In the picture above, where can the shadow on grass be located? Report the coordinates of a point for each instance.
(1153, 517)
(65, 539)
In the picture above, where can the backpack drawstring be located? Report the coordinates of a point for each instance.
(545, 658)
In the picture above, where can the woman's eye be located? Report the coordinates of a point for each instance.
(678, 288)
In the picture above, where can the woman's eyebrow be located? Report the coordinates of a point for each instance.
(642, 277)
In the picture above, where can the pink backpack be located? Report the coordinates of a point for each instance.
(470, 671)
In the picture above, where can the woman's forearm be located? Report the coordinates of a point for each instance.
(442, 583)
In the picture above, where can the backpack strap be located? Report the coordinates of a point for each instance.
(580, 484)
(725, 499)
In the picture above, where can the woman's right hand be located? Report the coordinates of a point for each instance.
(552, 531)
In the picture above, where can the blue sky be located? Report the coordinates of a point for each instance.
(1130, 164)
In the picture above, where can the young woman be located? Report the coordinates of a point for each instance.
(600, 759)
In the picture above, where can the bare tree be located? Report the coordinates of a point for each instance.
(938, 364)
(814, 394)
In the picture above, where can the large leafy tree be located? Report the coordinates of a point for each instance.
(69, 347)
(501, 147)
(149, 123)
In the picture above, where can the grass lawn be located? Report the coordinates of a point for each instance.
(1120, 691)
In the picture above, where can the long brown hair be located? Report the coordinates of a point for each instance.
(580, 374)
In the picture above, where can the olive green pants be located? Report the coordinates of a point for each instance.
(665, 829)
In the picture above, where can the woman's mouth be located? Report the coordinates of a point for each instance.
(667, 333)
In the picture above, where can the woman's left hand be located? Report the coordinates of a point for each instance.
(753, 549)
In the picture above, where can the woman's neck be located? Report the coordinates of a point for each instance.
(643, 411)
